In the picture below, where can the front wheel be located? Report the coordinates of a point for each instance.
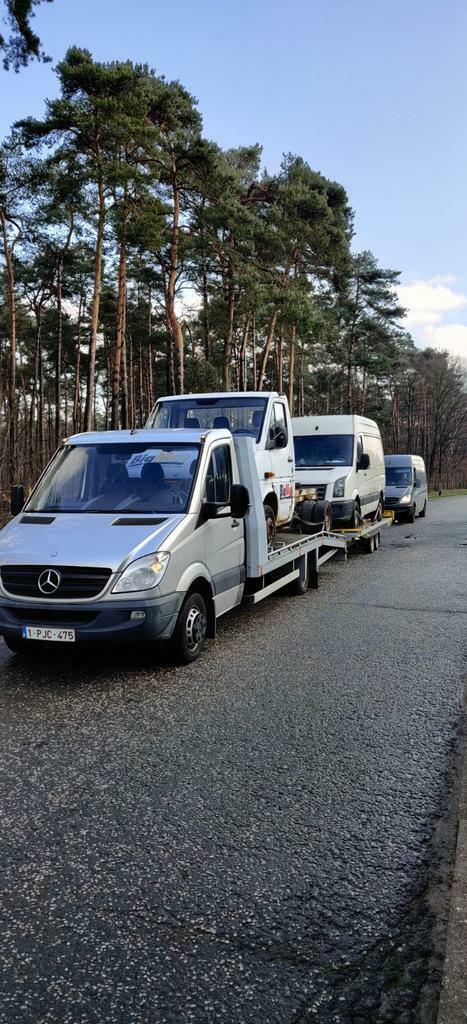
(270, 524)
(191, 629)
(16, 645)
(378, 515)
(423, 512)
(355, 520)
(412, 514)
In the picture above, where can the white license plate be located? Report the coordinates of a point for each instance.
(66, 636)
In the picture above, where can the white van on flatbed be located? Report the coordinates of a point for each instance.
(262, 415)
(342, 457)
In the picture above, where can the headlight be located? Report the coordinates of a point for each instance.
(144, 574)
(339, 487)
(405, 499)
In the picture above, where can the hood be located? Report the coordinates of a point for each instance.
(396, 492)
(83, 540)
(320, 475)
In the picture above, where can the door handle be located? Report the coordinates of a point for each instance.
(235, 524)
(289, 458)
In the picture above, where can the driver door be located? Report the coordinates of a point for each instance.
(282, 462)
(223, 536)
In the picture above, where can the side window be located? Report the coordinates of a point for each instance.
(223, 474)
(219, 476)
(278, 424)
(210, 492)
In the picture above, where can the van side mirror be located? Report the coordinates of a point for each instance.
(239, 501)
(364, 461)
(17, 499)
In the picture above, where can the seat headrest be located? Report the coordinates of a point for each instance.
(152, 473)
(192, 422)
(221, 423)
(257, 418)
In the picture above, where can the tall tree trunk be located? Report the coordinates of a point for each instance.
(96, 296)
(58, 351)
(119, 336)
(242, 355)
(253, 340)
(77, 394)
(10, 276)
(293, 335)
(174, 323)
(227, 355)
(266, 351)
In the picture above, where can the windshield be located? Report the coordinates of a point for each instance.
(398, 476)
(137, 477)
(314, 450)
(239, 415)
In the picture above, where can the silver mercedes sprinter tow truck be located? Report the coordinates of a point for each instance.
(142, 536)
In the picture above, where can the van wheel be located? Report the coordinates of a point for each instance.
(356, 516)
(18, 646)
(412, 514)
(423, 512)
(270, 524)
(378, 515)
(191, 630)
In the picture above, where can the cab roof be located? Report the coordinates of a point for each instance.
(219, 394)
(177, 435)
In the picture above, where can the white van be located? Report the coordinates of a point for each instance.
(406, 486)
(342, 456)
(262, 415)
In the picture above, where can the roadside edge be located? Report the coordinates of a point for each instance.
(453, 999)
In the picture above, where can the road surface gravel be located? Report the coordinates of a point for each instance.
(263, 836)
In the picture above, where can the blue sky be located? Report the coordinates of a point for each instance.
(373, 93)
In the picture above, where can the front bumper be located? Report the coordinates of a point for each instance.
(96, 622)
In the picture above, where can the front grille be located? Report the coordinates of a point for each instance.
(319, 488)
(389, 502)
(75, 581)
(47, 616)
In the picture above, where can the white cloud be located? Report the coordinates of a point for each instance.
(431, 307)
(428, 301)
(452, 337)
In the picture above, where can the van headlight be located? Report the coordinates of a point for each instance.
(339, 487)
(406, 498)
(143, 574)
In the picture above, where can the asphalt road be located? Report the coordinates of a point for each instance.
(256, 838)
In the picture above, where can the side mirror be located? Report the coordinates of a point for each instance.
(17, 499)
(239, 501)
(364, 461)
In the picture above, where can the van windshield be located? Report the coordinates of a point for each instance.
(239, 415)
(398, 476)
(315, 450)
(137, 477)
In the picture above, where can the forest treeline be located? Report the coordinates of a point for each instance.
(139, 258)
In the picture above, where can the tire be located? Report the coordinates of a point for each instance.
(298, 587)
(191, 630)
(270, 524)
(322, 514)
(378, 514)
(16, 645)
(355, 517)
(412, 514)
(422, 514)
